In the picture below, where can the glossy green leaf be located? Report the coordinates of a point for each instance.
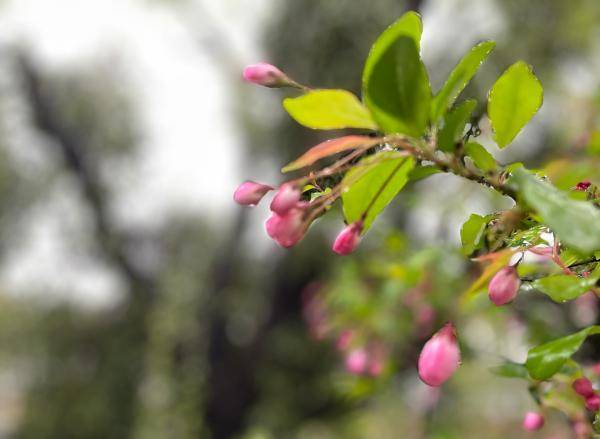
(471, 233)
(459, 78)
(563, 287)
(421, 172)
(545, 360)
(511, 370)
(513, 100)
(409, 25)
(374, 185)
(480, 156)
(577, 223)
(328, 110)
(397, 92)
(454, 125)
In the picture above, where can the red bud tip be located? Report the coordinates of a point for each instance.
(533, 421)
(266, 75)
(348, 239)
(583, 386)
(249, 193)
(440, 357)
(286, 198)
(592, 403)
(583, 185)
(504, 286)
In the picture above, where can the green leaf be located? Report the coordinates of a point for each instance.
(382, 179)
(545, 360)
(396, 86)
(511, 370)
(459, 78)
(409, 25)
(577, 223)
(563, 287)
(480, 156)
(329, 110)
(421, 172)
(454, 124)
(513, 100)
(471, 233)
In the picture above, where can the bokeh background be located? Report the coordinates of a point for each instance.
(137, 300)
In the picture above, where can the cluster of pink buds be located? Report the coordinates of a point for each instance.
(583, 387)
(290, 217)
(504, 286)
(533, 421)
(440, 357)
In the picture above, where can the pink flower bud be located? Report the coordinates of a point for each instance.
(249, 193)
(348, 239)
(286, 198)
(582, 429)
(289, 228)
(344, 339)
(266, 75)
(356, 361)
(377, 359)
(583, 386)
(533, 421)
(504, 286)
(592, 403)
(440, 357)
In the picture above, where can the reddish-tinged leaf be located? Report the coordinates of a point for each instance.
(331, 147)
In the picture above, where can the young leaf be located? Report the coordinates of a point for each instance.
(421, 172)
(511, 370)
(545, 360)
(513, 100)
(577, 223)
(480, 156)
(377, 184)
(397, 90)
(409, 25)
(330, 147)
(329, 110)
(563, 287)
(459, 78)
(471, 233)
(454, 124)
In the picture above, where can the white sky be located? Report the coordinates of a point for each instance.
(188, 155)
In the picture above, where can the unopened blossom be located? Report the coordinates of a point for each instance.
(344, 340)
(348, 239)
(504, 286)
(377, 359)
(289, 228)
(583, 387)
(592, 402)
(357, 361)
(533, 421)
(265, 74)
(286, 198)
(249, 193)
(440, 357)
